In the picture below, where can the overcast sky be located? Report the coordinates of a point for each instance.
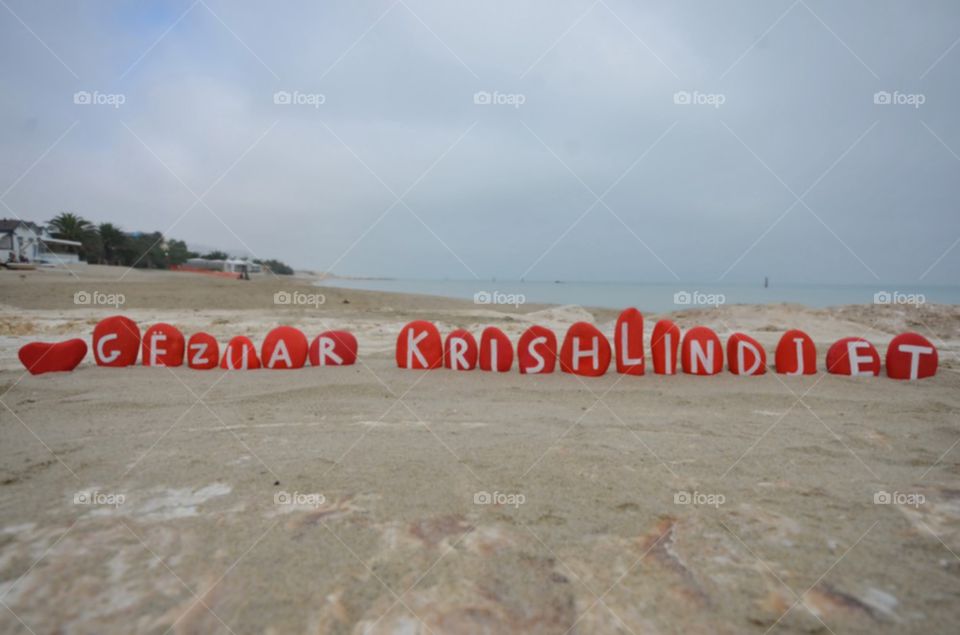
(782, 164)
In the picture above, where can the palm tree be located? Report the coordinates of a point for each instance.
(113, 240)
(70, 226)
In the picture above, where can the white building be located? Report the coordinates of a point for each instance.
(22, 240)
(233, 265)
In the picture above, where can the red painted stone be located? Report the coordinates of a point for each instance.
(585, 351)
(745, 355)
(460, 351)
(203, 351)
(44, 357)
(116, 341)
(664, 344)
(240, 354)
(853, 356)
(537, 351)
(911, 356)
(284, 347)
(628, 342)
(701, 352)
(796, 354)
(419, 346)
(334, 348)
(162, 346)
(496, 350)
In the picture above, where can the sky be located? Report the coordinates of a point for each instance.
(804, 140)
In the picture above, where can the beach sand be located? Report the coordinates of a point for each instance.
(388, 529)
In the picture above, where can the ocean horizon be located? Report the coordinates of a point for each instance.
(657, 297)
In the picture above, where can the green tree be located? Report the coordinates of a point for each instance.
(114, 241)
(70, 226)
(216, 255)
(177, 252)
(145, 251)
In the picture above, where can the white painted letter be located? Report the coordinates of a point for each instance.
(326, 350)
(106, 359)
(593, 353)
(741, 345)
(541, 363)
(413, 349)
(154, 350)
(915, 353)
(855, 359)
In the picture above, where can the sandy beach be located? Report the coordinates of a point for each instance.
(372, 499)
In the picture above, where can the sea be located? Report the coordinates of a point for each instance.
(657, 297)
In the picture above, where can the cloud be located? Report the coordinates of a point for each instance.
(582, 100)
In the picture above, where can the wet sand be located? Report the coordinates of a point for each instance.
(370, 499)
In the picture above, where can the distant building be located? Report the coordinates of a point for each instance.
(233, 265)
(25, 241)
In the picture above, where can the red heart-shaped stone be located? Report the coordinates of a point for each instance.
(333, 348)
(537, 351)
(796, 354)
(284, 347)
(701, 352)
(585, 351)
(116, 341)
(162, 346)
(911, 356)
(745, 355)
(203, 351)
(853, 356)
(44, 357)
(419, 346)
